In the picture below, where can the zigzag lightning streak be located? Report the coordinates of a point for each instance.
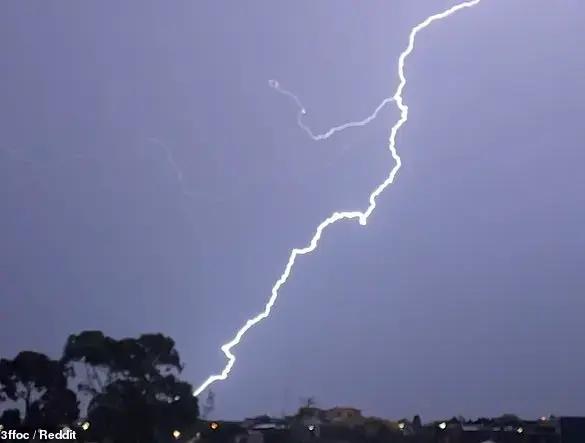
(362, 217)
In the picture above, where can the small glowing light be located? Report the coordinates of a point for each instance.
(1, 427)
(85, 426)
(520, 430)
(443, 425)
(177, 398)
(400, 425)
(214, 425)
(311, 428)
(176, 434)
(543, 418)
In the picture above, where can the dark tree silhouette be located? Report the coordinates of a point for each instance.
(37, 385)
(11, 419)
(507, 420)
(133, 385)
(416, 423)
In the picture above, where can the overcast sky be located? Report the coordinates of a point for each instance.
(465, 294)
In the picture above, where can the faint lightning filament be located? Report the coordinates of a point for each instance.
(362, 217)
(302, 111)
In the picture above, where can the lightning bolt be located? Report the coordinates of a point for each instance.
(362, 217)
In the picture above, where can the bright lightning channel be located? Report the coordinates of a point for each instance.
(362, 217)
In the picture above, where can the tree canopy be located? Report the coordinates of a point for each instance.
(131, 386)
(37, 386)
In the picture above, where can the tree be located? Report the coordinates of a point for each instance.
(133, 385)
(90, 351)
(308, 408)
(416, 423)
(209, 405)
(310, 402)
(11, 419)
(38, 384)
(508, 420)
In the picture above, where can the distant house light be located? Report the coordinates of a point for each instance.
(443, 425)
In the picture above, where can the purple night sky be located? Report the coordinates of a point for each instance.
(465, 294)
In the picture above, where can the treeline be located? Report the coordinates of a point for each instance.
(128, 390)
